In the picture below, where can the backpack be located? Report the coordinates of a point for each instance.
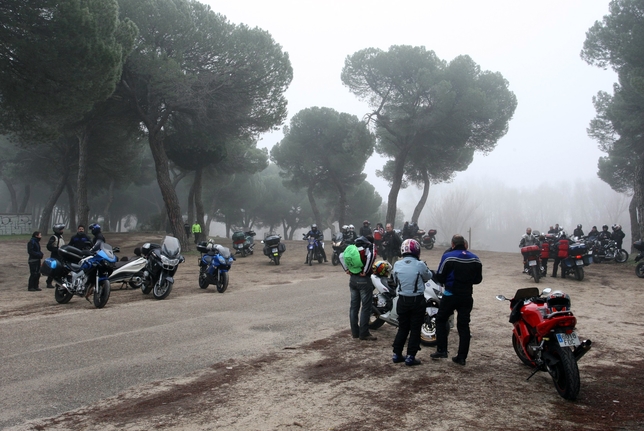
(352, 259)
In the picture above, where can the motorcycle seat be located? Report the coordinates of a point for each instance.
(74, 267)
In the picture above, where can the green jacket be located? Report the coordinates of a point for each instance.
(196, 228)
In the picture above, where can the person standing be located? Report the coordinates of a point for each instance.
(358, 267)
(55, 242)
(196, 231)
(459, 270)
(391, 243)
(35, 255)
(618, 235)
(527, 239)
(561, 249)
(81, 240)
(410, 276)
(186, 228)
(365, 230)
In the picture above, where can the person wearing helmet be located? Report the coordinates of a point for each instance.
(55, 242)
(604, 234)
(95, 228)
(365, 230)
(459, 270)
(317, 234)
(578, 232)
(410, 276)
(357, 261)
(351, 234)
(618, 235)
(594, 233)
(380, 273)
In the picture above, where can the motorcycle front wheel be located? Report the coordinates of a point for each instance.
(146, 288)
(102, 293)
(320, 258)
(639, 270)
(579, 272)
(374, 322)
(203, 280)
(428, 331)
(564, 372)
(162, 290)
(335, 259)
(310, 257)
(621, 256)
(63, 296)
(222, 284)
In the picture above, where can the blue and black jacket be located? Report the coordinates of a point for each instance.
(458, 271)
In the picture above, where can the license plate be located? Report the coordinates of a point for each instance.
(568, 340)
(274, 249)
(580, 262)
(532, 263)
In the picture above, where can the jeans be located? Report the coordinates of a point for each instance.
(361, 290)
(462, 304)
(411, 313)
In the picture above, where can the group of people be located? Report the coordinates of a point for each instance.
(195, 230)
(554, 245)
(458, 271)
(80, 240)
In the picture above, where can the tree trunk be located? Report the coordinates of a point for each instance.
(423, 198)
(191, 204)
(165, 185)
(81, 185)
(342, 202)
(638, 200)
(45, 219)
(72, 207)
(12, 193)
(314, 207)
(108, 204)
(635, 228)
(25, 199)
(197, 186)
(392, 200)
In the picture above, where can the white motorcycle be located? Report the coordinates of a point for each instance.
(130, 272)
(384, 309)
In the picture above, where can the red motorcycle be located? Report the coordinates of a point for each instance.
(532, 262)
(544, 336)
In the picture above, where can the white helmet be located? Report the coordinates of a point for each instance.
(352, 227)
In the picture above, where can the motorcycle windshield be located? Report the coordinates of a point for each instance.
(171, 247)
(224, 251)
(337, 237)
(106, 252)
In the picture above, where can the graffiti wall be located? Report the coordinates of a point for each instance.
(15, 224)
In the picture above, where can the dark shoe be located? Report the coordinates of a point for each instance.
(554, 275)
(355, 336)
(325, 260)
(50, 286)
(411, 360)
(35, 289)
(458, 360)
(396, 358)
(369, 338)
(438, 355)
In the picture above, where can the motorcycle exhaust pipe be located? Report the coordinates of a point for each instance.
(582, 349)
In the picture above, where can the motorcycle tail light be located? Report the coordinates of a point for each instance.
(569, 331)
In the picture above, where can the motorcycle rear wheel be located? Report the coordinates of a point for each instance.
(335, 259)
(163, 290)
(429, 246)
(62, 295)
(374, 322)
(564, 373)
(222, 285)
(276, 259)
(536, 274)
(428, 331)
(639, 270)
(579, 272)
(102, 293)
(520, 353)
(621, 256)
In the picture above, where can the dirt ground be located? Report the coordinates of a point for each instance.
(339, 383)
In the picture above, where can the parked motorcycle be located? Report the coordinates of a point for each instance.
(429, 239)
(130, 272)
(384, 300)
(576, 260)
(273, 247)
(607, 251)
(532, 254)
(214, 264)
(82, 273)
(544, 336)
(639, 268)
(162, 263)
(314, 249)
(243, 242)
(338, 245)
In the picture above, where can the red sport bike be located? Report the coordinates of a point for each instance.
(544, 336)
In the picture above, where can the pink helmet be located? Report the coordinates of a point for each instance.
(410, 246)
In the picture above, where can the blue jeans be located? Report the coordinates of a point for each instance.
(361, 294)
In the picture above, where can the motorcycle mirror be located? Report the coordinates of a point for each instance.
(116, 249)
(501, 297)
(262, 241)
(546, 291)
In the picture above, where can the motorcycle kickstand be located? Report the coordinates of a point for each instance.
(536, 370)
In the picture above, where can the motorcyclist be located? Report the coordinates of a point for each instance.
(527, 239)
(55, 242)
(413, 229)
(618, 235)
(317, 234)
(365, 230)
(406, 231)
(594, 233)
(351, 234)
(95, 228)
(578, 232)
(604, 234)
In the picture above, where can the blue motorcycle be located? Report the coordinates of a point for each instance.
(314, 248)
(214, 264)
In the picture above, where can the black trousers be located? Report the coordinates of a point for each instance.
(462, 304)
(411, 313)
(34, 274)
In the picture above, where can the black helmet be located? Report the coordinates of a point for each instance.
(362, 241)
(578, 226)
(58, 228)
(95, 228)
(605, 227)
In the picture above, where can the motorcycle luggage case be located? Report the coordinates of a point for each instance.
(531, 249)
(577, 249)
(71, 254)
(639, 245)
(272, 240)
(52, 267)
(239, 236)
(431, 232)
(588, 259)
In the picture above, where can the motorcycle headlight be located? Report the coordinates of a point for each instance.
(169, 263)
